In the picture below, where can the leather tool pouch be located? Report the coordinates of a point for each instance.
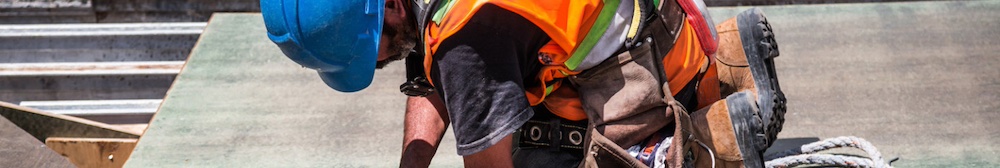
(627, 98)
(624, 103)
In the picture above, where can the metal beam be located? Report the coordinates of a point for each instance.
(96, 107)
(101, 29)
(126, 111)
(46, 4)
(91, 68)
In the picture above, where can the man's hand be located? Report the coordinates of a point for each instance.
(425, 124)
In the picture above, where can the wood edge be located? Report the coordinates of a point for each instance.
(93, 152)
(70, 118)
(173, 84)
(121, 140)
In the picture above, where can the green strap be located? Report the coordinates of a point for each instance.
(549, 89)
(596, 31)
(446, 6)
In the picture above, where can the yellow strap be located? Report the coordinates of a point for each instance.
(636, 17)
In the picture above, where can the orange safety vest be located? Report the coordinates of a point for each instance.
(575, 27)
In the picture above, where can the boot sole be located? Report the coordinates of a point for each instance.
(761, 49)
(748, 127)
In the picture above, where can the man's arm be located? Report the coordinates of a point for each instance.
(498, 155)
(425, 123)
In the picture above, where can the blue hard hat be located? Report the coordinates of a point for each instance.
(337, 38)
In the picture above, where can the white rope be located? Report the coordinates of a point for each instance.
(807, 154)
(710, 153)
(821, 160)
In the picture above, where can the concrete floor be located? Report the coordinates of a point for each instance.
(917, 79)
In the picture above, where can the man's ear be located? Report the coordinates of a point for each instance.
(396, 6)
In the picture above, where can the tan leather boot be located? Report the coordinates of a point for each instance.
(734, 71)
(745, 61)
(728, 134)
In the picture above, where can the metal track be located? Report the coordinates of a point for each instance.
(128, 111)
(91, 68)
(101, 29)
(47, 62)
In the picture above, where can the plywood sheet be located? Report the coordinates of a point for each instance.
(239, 102)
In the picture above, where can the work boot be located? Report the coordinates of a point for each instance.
(728, 134)
(746, 62)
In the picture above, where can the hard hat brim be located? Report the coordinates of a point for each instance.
(354, 77)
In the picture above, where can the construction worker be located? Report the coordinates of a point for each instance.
(557, 83)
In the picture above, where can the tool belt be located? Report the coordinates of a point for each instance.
(545, 130)
(615, 109)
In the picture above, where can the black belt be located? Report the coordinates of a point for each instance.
(554, 132)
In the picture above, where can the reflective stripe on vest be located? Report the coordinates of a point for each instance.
(593, 30)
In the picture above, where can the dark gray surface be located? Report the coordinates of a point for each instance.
(96, 48)
(20, 149)
(920, 80)
(34, 88)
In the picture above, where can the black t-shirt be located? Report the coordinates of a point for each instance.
(481, 73)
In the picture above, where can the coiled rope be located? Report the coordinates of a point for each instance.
(807, 155)
(820, 159)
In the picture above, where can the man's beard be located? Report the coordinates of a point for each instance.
(402, 48)
(402, 42)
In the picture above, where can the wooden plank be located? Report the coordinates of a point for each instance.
(20, 149)
(93, 152)
(133, 127)
(42, 124)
